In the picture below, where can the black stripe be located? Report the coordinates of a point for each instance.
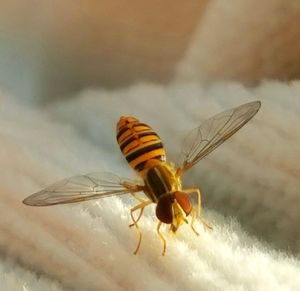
(144, 150)
(121, 132)
(141, 124)
(131, 139)
(139, 167)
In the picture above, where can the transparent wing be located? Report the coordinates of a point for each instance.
(213, 132)
(81, 188)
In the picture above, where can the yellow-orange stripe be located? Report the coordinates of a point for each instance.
(140, 128)
(147, 156)
(125, 135)
(137, 140)
(136, 145)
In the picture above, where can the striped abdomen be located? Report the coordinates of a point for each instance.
(138, 143)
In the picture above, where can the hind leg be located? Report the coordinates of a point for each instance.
(141, 206)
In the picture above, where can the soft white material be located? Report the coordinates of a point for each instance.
(253, 178)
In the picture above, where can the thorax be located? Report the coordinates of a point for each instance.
(160, 179)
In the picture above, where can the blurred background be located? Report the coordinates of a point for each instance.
(51, 49)
(69, 69)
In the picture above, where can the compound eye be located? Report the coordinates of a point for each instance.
(164, 209)
(184, 201)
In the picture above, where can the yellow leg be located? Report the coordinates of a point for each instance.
(138, 218)
(137, 197)
(161, 237)
(142, 209)
(139, 206)
(197, 209)
(194, 216)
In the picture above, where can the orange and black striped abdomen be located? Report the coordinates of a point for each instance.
(138, 142)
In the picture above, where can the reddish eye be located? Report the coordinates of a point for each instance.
(164, 209)
(184, 201)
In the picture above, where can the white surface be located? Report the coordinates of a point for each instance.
(253, 177)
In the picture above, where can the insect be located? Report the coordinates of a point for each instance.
(160, 179)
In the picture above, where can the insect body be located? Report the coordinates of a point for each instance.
(145, 153)
(139, 143)
(161, 180)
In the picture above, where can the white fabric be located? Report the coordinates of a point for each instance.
(252, 179)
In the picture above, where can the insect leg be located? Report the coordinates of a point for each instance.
(137, 197)
(161, 237)
(198, 209)
(194, 215)
(142, 209)
(139, 217)
(139, 206)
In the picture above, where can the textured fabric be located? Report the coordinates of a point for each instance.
(52, 50)
(250, 191)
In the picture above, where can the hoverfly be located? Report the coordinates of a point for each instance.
(161, 179)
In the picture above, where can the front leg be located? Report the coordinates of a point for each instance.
(197, 211)
(161, 237)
